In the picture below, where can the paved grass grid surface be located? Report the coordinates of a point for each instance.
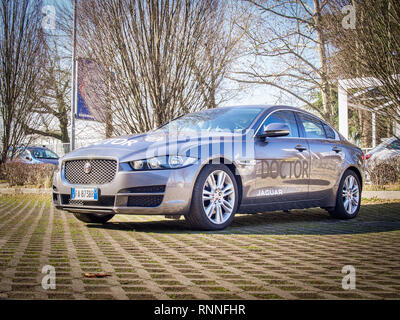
(296, 255)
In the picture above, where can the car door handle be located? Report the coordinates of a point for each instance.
(300, 148)
(336, 149)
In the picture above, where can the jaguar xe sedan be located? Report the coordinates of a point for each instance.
(209, 165)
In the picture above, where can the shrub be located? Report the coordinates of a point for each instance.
(2, 174)
(385, 172)
(22, 174)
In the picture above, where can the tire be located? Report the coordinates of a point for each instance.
(350, 190)
(93, 217)
(222, 208)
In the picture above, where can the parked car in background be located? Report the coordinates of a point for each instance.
(211, 164)
(36, 155)
(388, 149)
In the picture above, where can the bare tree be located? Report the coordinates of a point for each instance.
(21, 49)
(289, 46)
(370, 50)
(221, 46)
(53, 108)
(148, 47)
(160, 59)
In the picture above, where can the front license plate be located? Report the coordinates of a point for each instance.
(84, 194)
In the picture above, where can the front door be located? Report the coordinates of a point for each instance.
(282, 163)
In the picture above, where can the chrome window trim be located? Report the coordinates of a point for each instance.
(337, 138)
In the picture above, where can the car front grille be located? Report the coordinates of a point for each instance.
(102, 171)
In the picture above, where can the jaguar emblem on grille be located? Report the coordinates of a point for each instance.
(87, 168)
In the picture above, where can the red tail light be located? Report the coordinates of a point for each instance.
(366, 156)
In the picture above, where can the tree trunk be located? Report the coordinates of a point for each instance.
(325, 85)
(109, 126)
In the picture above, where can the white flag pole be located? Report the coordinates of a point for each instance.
(73, 94)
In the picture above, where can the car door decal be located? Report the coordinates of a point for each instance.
(273, 169)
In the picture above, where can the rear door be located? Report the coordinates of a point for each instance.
(282, 163)
(327, 156)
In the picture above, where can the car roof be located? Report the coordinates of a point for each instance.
(271, 107)
(33, 147)
(29, 148)
(263, 106)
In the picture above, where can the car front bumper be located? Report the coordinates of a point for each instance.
(157, 192)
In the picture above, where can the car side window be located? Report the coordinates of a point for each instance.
(312, 127)
(395, 145)
(330, 134)
(284, 117)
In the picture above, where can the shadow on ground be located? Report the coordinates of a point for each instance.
(371, 218)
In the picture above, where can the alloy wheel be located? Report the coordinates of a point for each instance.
(351, 194)
(218, 196)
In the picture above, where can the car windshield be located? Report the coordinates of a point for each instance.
(39, 153)
(20, 151)
(215, 120)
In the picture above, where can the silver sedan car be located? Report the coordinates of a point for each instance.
(209, 165)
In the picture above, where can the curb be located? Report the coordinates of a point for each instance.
(388, 195)
(24, 191)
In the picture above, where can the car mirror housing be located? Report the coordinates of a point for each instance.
(275, 130)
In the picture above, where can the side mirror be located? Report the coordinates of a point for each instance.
(276, 130)
(27, 155)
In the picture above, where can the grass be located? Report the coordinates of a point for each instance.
(266, 296)
(251, 247)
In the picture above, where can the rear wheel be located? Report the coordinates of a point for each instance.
(93, 217)
(348, 198)
(214, 200)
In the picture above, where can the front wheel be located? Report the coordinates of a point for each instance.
(93, 217)
(214, 200)
(348, 198)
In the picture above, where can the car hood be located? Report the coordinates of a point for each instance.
(144, 146)
(49, 161)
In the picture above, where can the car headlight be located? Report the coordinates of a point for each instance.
(58, 167)
(165, 162)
